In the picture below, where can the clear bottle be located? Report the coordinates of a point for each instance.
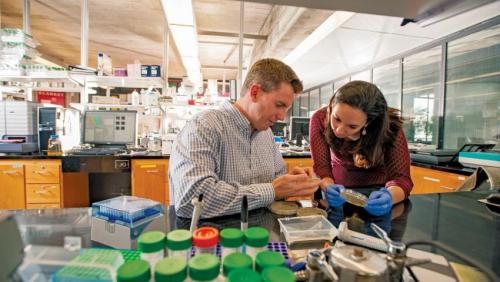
(171, 269)
(205, 240)
(256, 239)
(231, 240)
(152, 247)
(136, 99)
(267, 259)
(277, 274)
(54, 147)
(236, 261)
(179, 243)
(137, 270)
(204, 267)
(243, 275)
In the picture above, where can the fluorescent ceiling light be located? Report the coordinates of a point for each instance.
(179, 12)
(185, 39)
(328, 26)
(181, 22)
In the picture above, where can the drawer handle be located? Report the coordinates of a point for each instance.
(43, 192)
(448, 188)
(432, 179)
(11, 172)
(42, 172)
(152, 171)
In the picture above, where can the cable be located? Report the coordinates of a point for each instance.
(491, 275)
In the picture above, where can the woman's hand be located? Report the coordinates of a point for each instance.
(379, 202)
(333, 195)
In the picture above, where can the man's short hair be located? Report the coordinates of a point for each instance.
(270, 73)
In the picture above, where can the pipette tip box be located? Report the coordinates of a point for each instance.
(119, 221)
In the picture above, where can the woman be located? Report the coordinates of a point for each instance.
(357, 141)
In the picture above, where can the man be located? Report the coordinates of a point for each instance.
(230, 152)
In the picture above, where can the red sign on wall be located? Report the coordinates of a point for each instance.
(57, 98)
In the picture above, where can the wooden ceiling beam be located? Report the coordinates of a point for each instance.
(231, 34)
(220, 67)
(222, 43)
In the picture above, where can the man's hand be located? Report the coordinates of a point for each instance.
(295, 185)
(303, 170)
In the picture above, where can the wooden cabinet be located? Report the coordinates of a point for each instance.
(12, 186)
(426, 180)
(43, 182)
(150, 180)
(30, 183)
(301, 162)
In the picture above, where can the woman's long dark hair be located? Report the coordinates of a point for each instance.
(383, 123)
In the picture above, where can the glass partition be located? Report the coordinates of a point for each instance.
(364, 75)
(326, 94)
(304, 104)
(339, 83)
(388, 80)
(421, 101)
(473, 89)
(313, 101)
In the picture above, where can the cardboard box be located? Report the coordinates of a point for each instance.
(121, 236)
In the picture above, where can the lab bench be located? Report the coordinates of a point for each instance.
(455, 219)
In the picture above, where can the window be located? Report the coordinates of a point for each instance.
(473, 89)
(313, 101)
(387, 79)
(421, 101)
(326, 94)
(340, 83)
(304, 104)
(364, 76)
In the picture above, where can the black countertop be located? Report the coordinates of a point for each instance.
(452, 168)
(456, 219)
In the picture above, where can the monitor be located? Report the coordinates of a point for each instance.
(278, 128)
(299, 126)
(109, 127)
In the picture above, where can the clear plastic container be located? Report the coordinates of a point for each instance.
(172, 269)
(256, 239)
(231, 240)
(136, 270)
(179, 243)
(126, 210)
(307, 229)
(205, 240)
(54, 147)
(236, 261)
(267, 259)
(204, 267)
(152, 247)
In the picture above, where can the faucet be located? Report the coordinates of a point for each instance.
(396, 255)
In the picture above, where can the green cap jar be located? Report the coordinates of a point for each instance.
(179, 240)
(171, 269)
(151, 242)
(256, 237)
(236, 261)
(243, 275)
(134, 271)
(267, 259)
(231, 238)
(278, 274)
(204, 267)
